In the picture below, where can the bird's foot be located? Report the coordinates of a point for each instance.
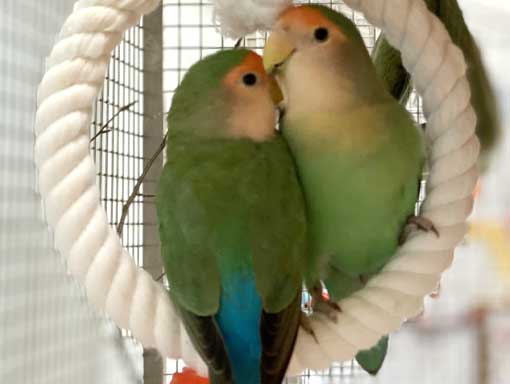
(437, 292)
(324, 305)
(415, 223)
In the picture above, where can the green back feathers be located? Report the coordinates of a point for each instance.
(222, 201)
(199, 105)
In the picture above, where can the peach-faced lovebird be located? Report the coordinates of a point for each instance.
(358, 152)
(232, 220)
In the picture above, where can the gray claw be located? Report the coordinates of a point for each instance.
(306, 324)
(325, 306)
(417, 223)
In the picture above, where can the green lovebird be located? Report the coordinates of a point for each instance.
(232, 220)
(358, 152)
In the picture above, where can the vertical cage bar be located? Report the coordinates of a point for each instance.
(152, 137)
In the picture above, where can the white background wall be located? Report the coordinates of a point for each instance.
(48, 334)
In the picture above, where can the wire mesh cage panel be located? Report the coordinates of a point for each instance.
(48, 333)
(122, 134)
(116, 142)
(117, 139)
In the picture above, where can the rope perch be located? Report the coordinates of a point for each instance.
(76, 70)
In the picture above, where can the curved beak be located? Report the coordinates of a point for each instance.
(277, 50)
(275, 91)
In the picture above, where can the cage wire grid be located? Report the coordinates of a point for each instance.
(117, 138)
(48, 332)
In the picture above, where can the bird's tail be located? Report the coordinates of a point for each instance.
(371, 360)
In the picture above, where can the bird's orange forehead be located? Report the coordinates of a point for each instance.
(304, 16)
(251, 63)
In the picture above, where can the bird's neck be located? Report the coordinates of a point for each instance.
(312, 85)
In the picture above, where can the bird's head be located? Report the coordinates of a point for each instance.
(312, 47)
(226, 95)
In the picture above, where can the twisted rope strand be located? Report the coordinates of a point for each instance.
(76, 70)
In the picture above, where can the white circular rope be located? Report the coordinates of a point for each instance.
(76, 70)
(67, 178)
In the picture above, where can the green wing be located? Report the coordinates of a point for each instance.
(224, 194)
(280, 235)
(185, 227)
(230, 200)
(389, 68)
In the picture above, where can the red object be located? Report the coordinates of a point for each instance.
(478, 190)
(188, 376)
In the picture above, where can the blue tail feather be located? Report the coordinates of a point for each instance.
(239, 322)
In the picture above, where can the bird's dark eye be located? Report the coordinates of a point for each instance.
(249, 79)
(321, 34)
